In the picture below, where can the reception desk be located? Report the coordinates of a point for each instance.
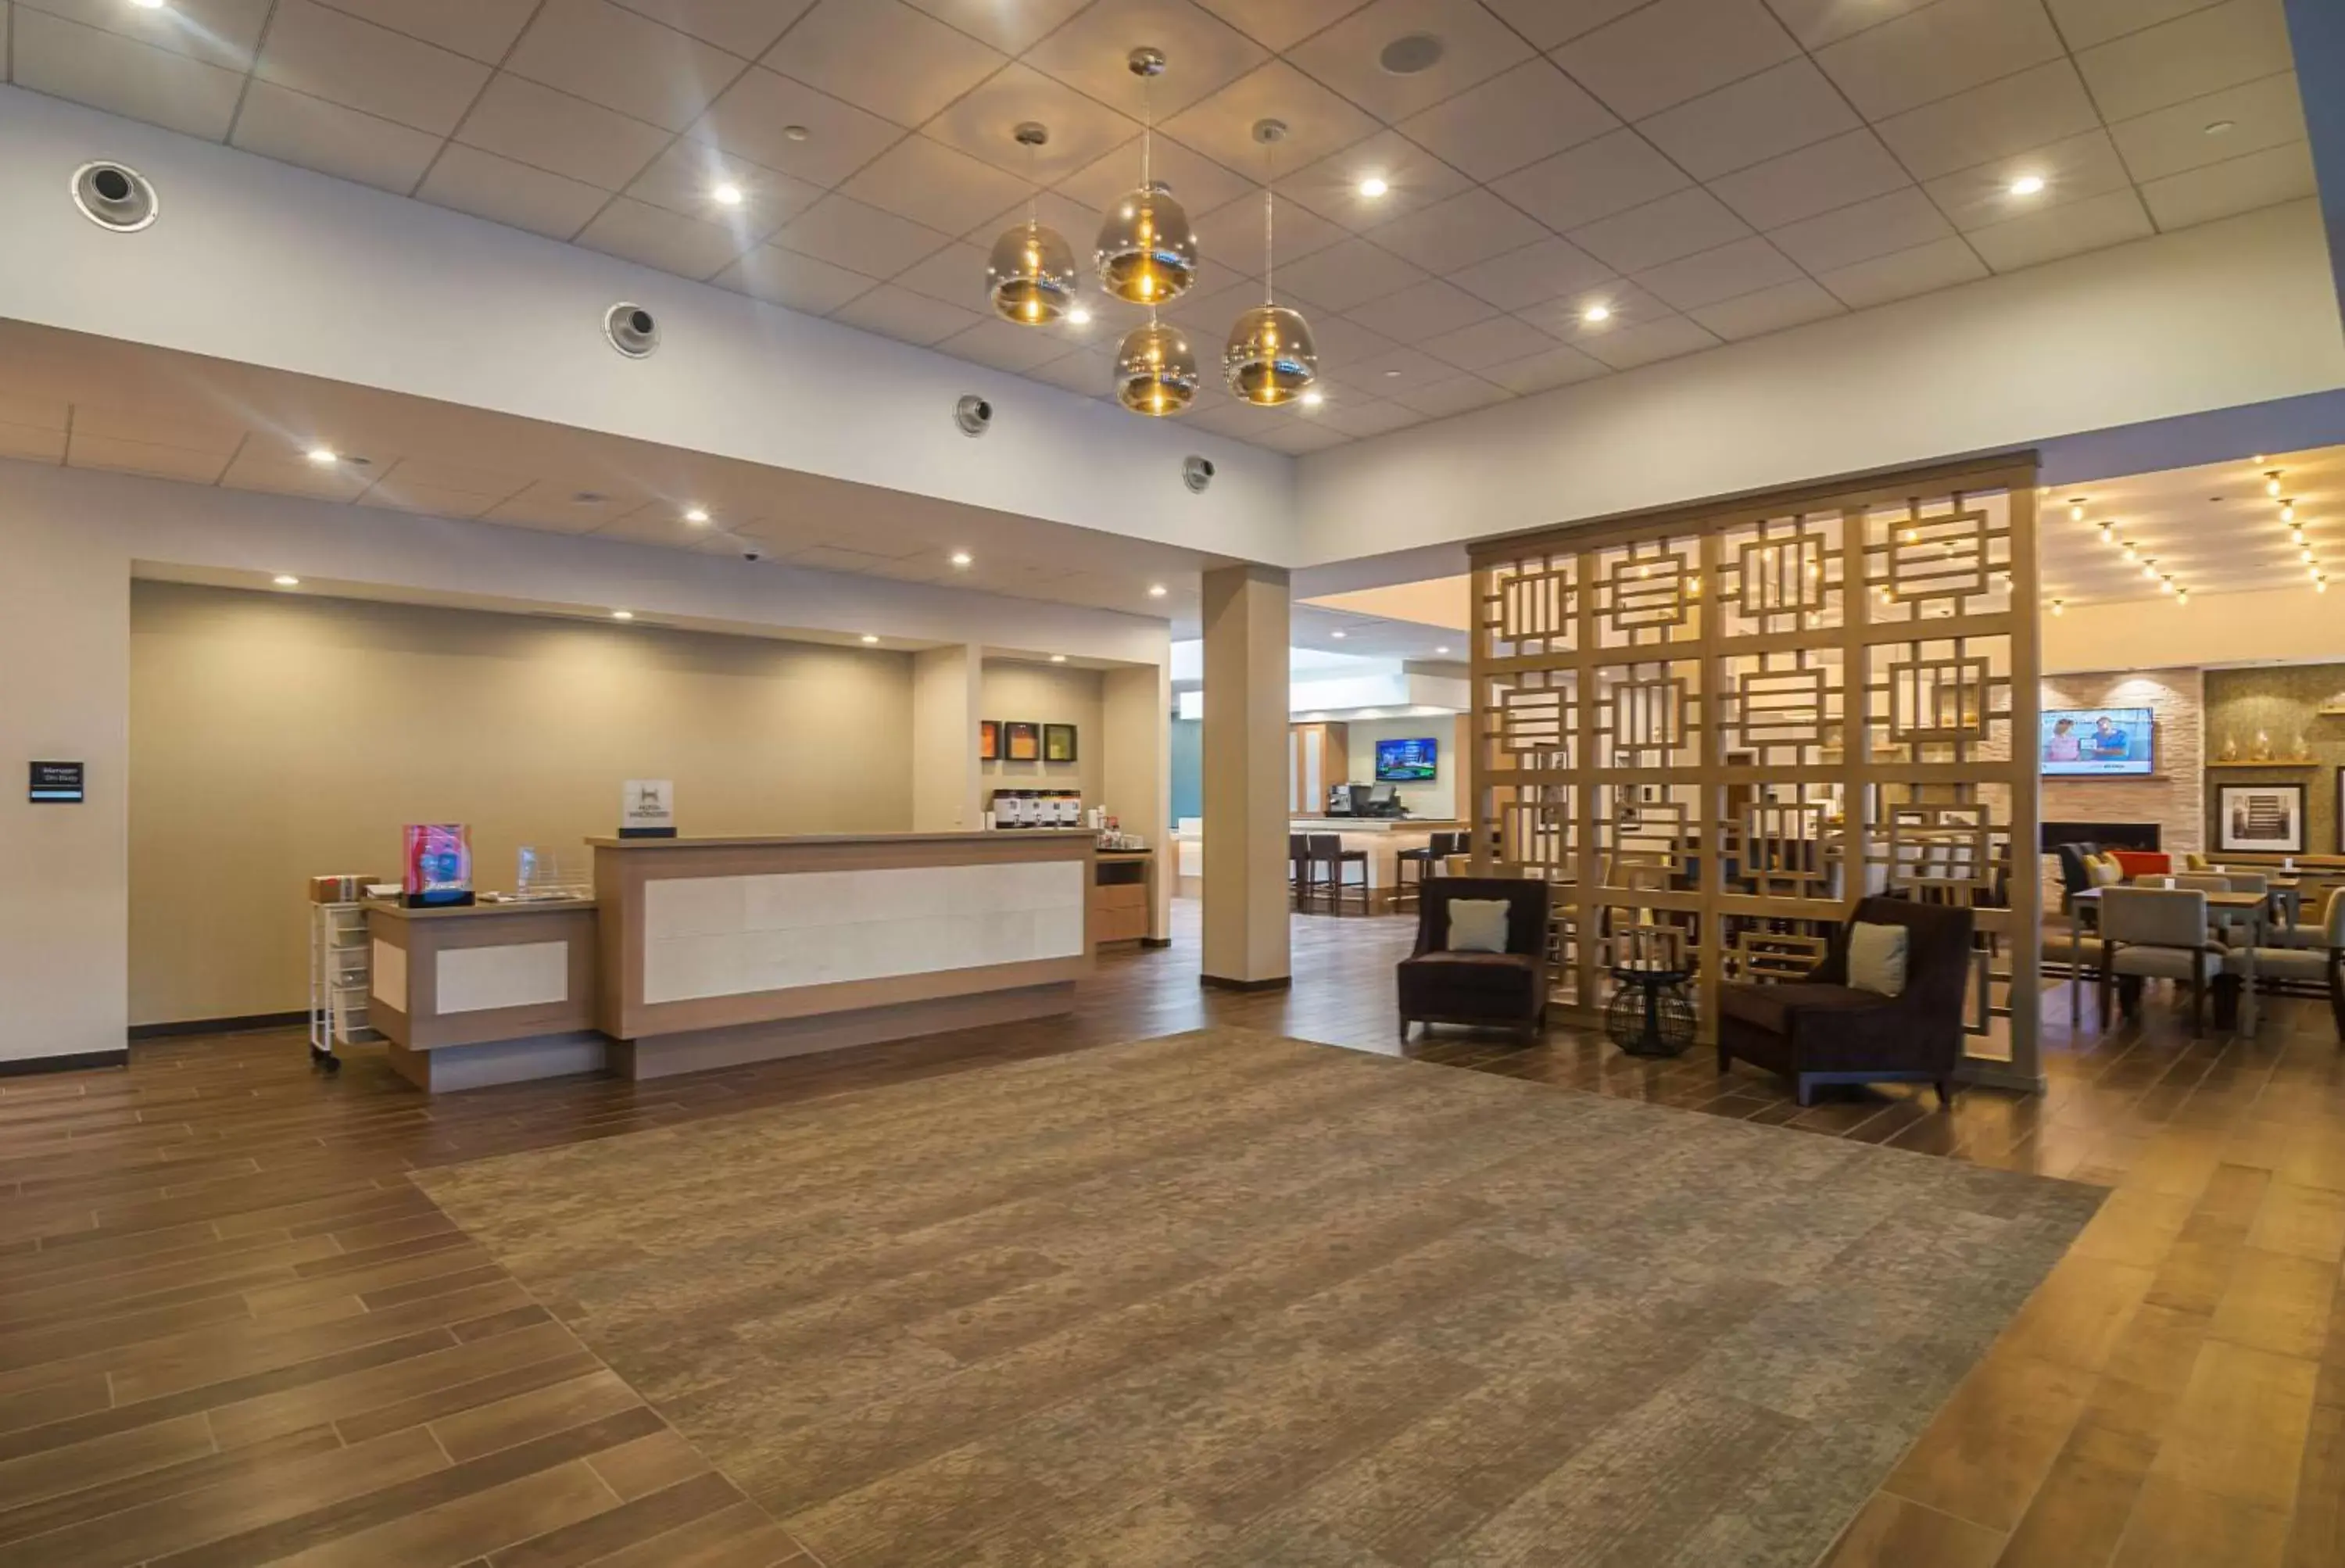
(485, 993)
(714, 952)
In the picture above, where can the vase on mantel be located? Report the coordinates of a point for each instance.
(2303, 752)
(2263, 746)
(2230, 752)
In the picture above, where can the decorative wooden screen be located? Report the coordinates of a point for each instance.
(1733, 722)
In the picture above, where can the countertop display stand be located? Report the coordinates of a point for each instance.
(341, 975)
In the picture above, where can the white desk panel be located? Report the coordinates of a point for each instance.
(731, 936)
(525, 974)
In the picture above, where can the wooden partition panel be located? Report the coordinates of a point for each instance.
(1729, 723)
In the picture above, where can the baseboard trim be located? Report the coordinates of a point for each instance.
(78, 1060)
(1156, 941)
(244, 1024)
(1222, 982)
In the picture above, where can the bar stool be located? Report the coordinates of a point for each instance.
(1431, 855)
(1326, 851)
(1298, 852)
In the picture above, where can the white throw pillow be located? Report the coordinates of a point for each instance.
(1477, 925)
(1876, 958)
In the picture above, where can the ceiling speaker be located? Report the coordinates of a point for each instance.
(973, 414)
(631, 330)
(115, 196)
(1196, 472)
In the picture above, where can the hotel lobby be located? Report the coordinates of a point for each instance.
(1292, 783)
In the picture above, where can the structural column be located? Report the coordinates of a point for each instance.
(947, 691)
(1245, 616)
(1136, 773)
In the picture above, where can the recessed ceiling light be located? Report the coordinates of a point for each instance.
(2217, 128)
(727, 194)
(1080, 316)
(1441, 650)
(1314, 398)
(869, 638)
(2027, 185)
(1058, 658)
(1392, 375)
(796, 133)
(283, 579)
(1596, 314)
(1338, 635)
(148, 4)
(1373, 187)
(961, 558)
(696, 513)
(623, 615)
(321, 456)
(1156, 590)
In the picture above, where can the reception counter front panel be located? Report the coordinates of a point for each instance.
(726, 950)
(731, 936)
(485, 994)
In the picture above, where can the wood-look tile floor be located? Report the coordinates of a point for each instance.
(232, 1331)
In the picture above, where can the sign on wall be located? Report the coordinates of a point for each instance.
(56, 784)
(647, 808)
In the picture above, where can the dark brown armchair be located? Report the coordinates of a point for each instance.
(1821, 1031)
(1504, 989)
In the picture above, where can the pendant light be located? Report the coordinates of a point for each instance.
(1155, 371)
(1270, 358)
(1030, 276)
(1146, 253)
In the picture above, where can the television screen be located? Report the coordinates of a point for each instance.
(2097, 742)
(1405, 761)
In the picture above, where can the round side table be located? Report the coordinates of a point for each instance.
(1650, 1013)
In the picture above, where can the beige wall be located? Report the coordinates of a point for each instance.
(275, 736)
(1047, 694)
(2174, 798)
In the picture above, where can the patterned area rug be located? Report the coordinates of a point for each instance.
(1224, 1297)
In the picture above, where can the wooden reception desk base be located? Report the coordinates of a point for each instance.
(716, 951)
(701, 953)
(485, 994)
(663, 1056)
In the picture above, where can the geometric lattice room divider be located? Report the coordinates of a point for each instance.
(1713, 729)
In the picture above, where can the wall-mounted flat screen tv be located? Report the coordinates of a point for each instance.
(1405, 761)
(2098, 742)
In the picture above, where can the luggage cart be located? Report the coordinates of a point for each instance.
(341, 980)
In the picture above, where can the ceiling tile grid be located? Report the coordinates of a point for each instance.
(1570, 187)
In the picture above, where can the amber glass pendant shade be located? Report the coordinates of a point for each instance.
(1155, 372)
(1030, 276)
(1270, 359)
(1147, 252)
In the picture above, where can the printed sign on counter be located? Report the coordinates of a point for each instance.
(647, 808)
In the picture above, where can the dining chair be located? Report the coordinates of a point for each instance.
(2156, 933)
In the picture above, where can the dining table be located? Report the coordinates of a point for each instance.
(2257, 907)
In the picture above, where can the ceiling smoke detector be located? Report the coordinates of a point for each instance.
(113, 196)
(1411, 52)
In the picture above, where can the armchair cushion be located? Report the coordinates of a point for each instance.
(1876, 958)
(1477, 925)
(2141, 862)
(1439, 984)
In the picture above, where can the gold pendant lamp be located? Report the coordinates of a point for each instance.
(1030, 276)
(1270, 358)
(1147, 252)
(1155, 370)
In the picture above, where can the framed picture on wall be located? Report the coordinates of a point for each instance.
(1058, 743)
(2266, 819)
(988, 740)
(1021, 742)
